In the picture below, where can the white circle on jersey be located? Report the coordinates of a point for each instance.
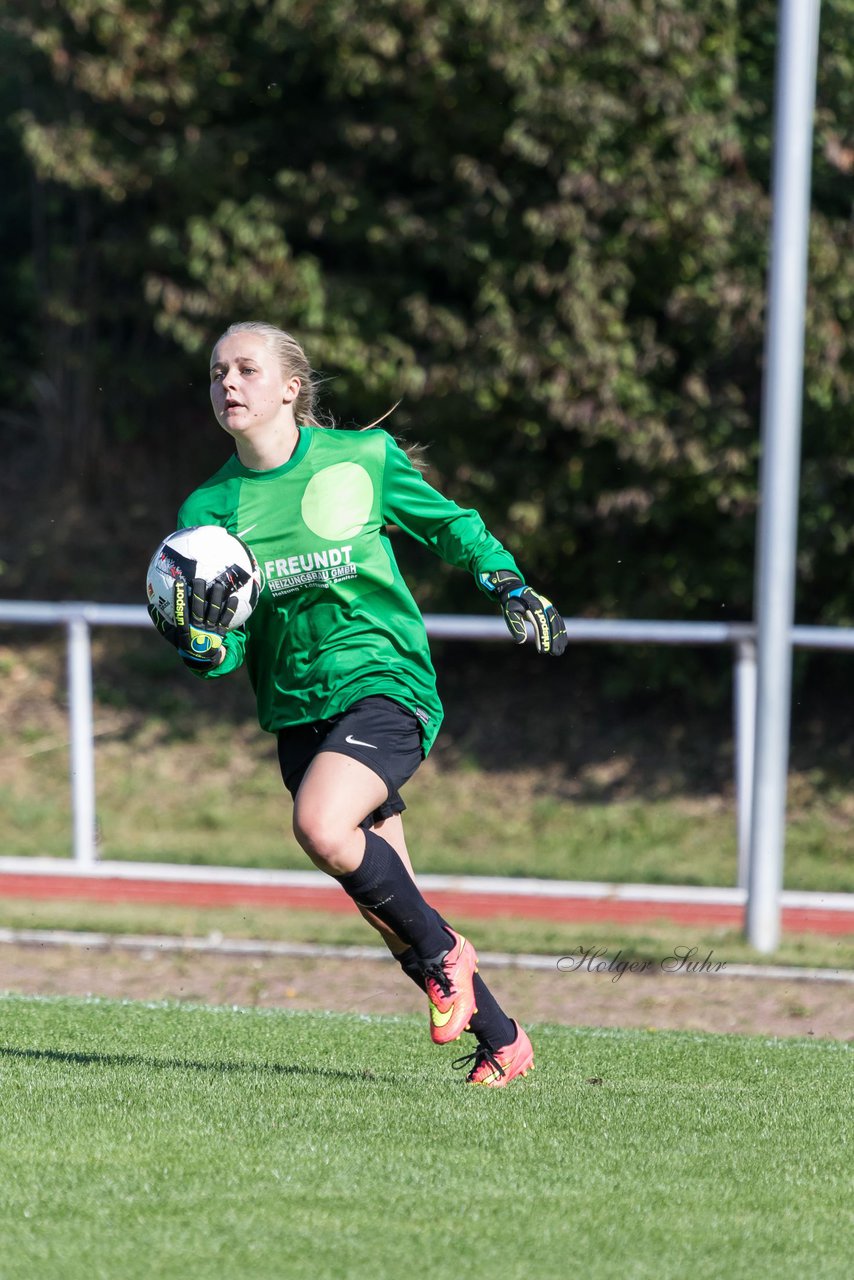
(337, 501)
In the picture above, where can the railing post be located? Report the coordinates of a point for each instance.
(744, 716)
(82, 741)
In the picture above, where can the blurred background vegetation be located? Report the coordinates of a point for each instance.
(543, 225)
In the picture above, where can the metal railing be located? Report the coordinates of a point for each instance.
(79, 618)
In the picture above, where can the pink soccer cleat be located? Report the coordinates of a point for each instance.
(450, 990)
(496, 1070)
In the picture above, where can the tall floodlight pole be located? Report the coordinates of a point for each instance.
(797, 54)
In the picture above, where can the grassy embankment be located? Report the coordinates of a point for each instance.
(535, 774)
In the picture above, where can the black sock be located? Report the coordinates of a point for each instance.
(490, 1025)
(383, 885)
(411, 966)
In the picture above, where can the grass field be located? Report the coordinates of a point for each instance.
(144, 1140)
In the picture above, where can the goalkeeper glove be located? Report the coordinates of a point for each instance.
(203, 614)
(520, 602)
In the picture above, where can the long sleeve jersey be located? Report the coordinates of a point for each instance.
(335, 621)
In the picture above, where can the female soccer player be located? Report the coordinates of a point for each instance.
(337, 652)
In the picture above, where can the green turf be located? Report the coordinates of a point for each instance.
(144, 1140)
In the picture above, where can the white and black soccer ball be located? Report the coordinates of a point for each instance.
(204, 551)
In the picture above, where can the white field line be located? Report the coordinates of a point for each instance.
(500, 886)
(249, 947)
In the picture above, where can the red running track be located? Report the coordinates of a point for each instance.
(451, 903)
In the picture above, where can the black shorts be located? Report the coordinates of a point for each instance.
(376, 731)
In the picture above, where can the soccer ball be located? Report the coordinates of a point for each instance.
(205, 551)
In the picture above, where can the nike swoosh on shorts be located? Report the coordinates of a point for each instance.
(354, 742)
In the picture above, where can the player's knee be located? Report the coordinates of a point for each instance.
(324, 840)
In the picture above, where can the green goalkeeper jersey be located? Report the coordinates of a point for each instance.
(335, 621)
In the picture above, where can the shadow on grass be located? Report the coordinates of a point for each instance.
(72, 1057)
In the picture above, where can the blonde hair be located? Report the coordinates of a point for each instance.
(293, 362)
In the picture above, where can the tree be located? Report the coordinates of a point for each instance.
(544, 225)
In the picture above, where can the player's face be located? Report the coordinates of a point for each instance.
(248, 389)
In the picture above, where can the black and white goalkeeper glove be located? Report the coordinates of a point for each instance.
(203, 614)
(520, 603)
